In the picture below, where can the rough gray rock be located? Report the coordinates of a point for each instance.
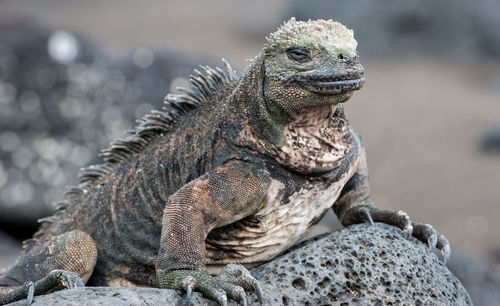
(360, 264)
(115, 296)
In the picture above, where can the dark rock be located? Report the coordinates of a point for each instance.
(62, 100)
(495, 254)
(490, 142)
(361, 264)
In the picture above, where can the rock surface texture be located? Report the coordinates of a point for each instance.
(360, 264)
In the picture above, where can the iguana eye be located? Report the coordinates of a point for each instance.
(300, 55)
(341, 56)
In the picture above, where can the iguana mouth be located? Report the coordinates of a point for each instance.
(324, 84)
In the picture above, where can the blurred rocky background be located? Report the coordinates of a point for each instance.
(74, 75)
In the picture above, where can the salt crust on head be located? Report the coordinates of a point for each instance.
(328, 34)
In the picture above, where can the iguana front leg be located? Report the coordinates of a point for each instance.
(222, 196)
(355, 206)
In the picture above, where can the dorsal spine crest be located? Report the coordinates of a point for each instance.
(203, 85)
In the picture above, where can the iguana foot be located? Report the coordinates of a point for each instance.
(232, 282)
(423, 232)
(54, 281)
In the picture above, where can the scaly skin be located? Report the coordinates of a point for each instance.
(232, 172)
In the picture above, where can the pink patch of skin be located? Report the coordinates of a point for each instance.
(315, 141)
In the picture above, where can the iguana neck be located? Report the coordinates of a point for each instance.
(264, 128)
(258, 130)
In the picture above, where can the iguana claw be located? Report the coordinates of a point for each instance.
(260, 296)
(368, 217)
(188, 284)
(73, 280)
(31, 293)
(444, 246)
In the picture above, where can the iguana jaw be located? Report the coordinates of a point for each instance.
(329, 83)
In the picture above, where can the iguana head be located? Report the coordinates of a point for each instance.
(309, 64)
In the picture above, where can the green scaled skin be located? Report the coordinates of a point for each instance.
(227, 175)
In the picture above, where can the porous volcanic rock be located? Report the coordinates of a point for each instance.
(360, 264)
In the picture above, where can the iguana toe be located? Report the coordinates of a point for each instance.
(70, 279)
(425, 233)
(368, 217)
(403, 221)
(444, 246)
(31, 293)
(369, 213)
(217, 294)
(235, 292)
(207, 285)
(239, 275)
(188, 284)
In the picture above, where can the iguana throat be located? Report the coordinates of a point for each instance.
(315, 140)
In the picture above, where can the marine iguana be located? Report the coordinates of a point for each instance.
(231, 172)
